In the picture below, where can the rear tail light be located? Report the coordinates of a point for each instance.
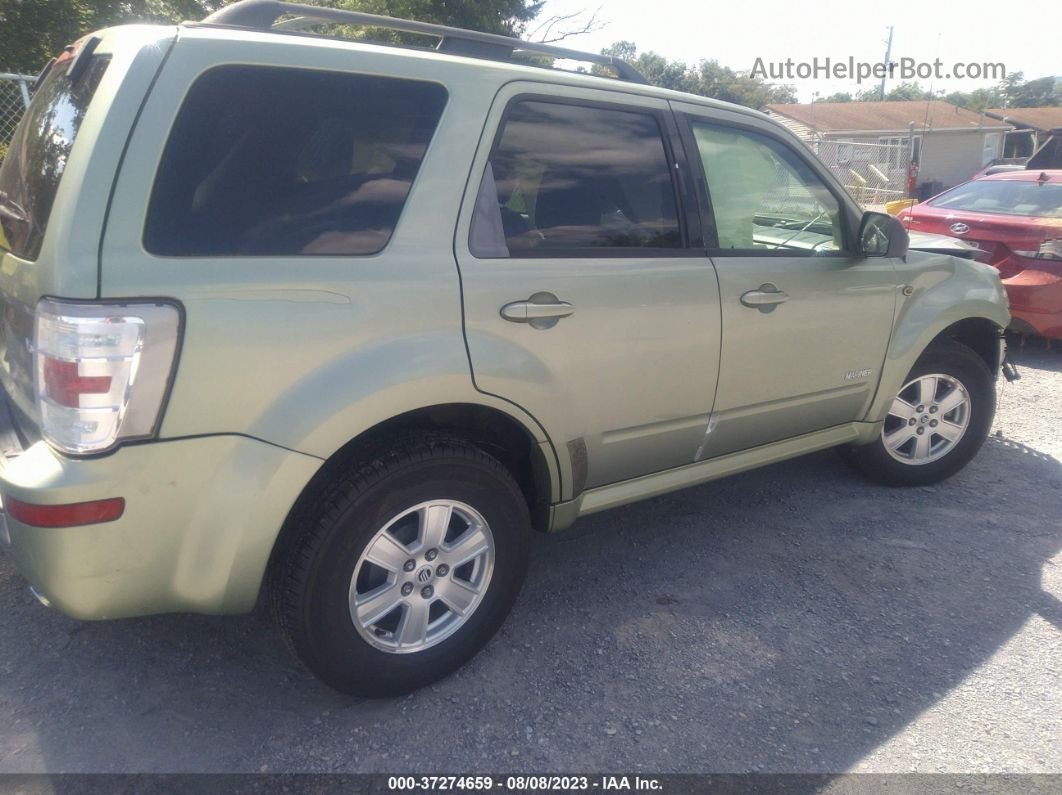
(1049, 249)
(102, 371)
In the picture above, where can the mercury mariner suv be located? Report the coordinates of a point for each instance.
(340, 324)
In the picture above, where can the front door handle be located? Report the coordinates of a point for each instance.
(766, 296)
(542, 310)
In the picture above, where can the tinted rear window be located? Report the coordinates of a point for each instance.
(268, 161)
(30, 174)
(1005, 197)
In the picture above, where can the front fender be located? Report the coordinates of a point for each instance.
(944, 290)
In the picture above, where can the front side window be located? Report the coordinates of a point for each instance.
(572, 180)
(267, 161)
(764, 197)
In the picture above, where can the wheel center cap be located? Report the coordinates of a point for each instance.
(925, 419)
(425, 575)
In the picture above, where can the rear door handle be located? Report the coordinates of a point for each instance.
(766, 295)
(542, 310)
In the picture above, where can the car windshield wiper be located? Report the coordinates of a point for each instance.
(804, 228)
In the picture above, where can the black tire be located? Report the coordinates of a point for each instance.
(310, 579)
(962, 364)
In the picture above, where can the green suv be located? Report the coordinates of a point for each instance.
(339, 324)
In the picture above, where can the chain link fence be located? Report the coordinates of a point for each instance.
(872, 173)
(14, 97)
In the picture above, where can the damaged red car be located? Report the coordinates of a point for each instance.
(1015, 219)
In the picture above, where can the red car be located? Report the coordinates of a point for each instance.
(1015, 218)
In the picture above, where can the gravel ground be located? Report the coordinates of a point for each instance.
(794, 619)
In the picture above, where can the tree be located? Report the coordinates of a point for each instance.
(32, 31)
(1036, 94)
(721, 82)
(840, 96)
(707, 78)
(506, 17)
(1015, 92)
(977, 100)
(905, 92)
(657, 69)
(561, 26)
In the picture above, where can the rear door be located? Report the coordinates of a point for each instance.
(806, 320)
(588, 299)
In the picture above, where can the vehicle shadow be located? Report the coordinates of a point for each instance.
(1037, 352)
(791, 619)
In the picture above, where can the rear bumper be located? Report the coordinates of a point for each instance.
(1036, 300)
(201, 517)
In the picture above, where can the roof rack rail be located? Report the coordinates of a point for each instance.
(263, 15)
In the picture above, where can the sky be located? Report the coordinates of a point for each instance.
(738, 33)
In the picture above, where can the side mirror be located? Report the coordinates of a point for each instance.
(882, 235)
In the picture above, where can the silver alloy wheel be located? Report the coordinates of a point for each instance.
(421, 576)
(927, 419)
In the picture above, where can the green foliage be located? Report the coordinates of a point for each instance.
(905, 92)
(3, 150)
(840, 96)
(977, 100)
(1013, 92)
(507, 17)
(708, 78)
(1042, 92)
(32, 31)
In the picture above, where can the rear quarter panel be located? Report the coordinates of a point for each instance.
(308, 352)
(68, 263)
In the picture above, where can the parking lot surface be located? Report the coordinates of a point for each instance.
(793, 619)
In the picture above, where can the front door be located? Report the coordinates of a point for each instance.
(587, 299)
(806, 320)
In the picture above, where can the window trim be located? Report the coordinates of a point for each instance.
(686, 121)
(686, 209)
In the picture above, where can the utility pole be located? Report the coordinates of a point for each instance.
(888, 55)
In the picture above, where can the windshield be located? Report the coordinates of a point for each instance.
(1006, 197)
(30, 173)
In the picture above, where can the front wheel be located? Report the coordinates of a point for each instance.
(404, 569)
(937, 422)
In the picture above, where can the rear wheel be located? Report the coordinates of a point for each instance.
(936, 423)
(404, 568)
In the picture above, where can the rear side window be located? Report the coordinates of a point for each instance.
(267, 161)
(40, 148)
(568, 180)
